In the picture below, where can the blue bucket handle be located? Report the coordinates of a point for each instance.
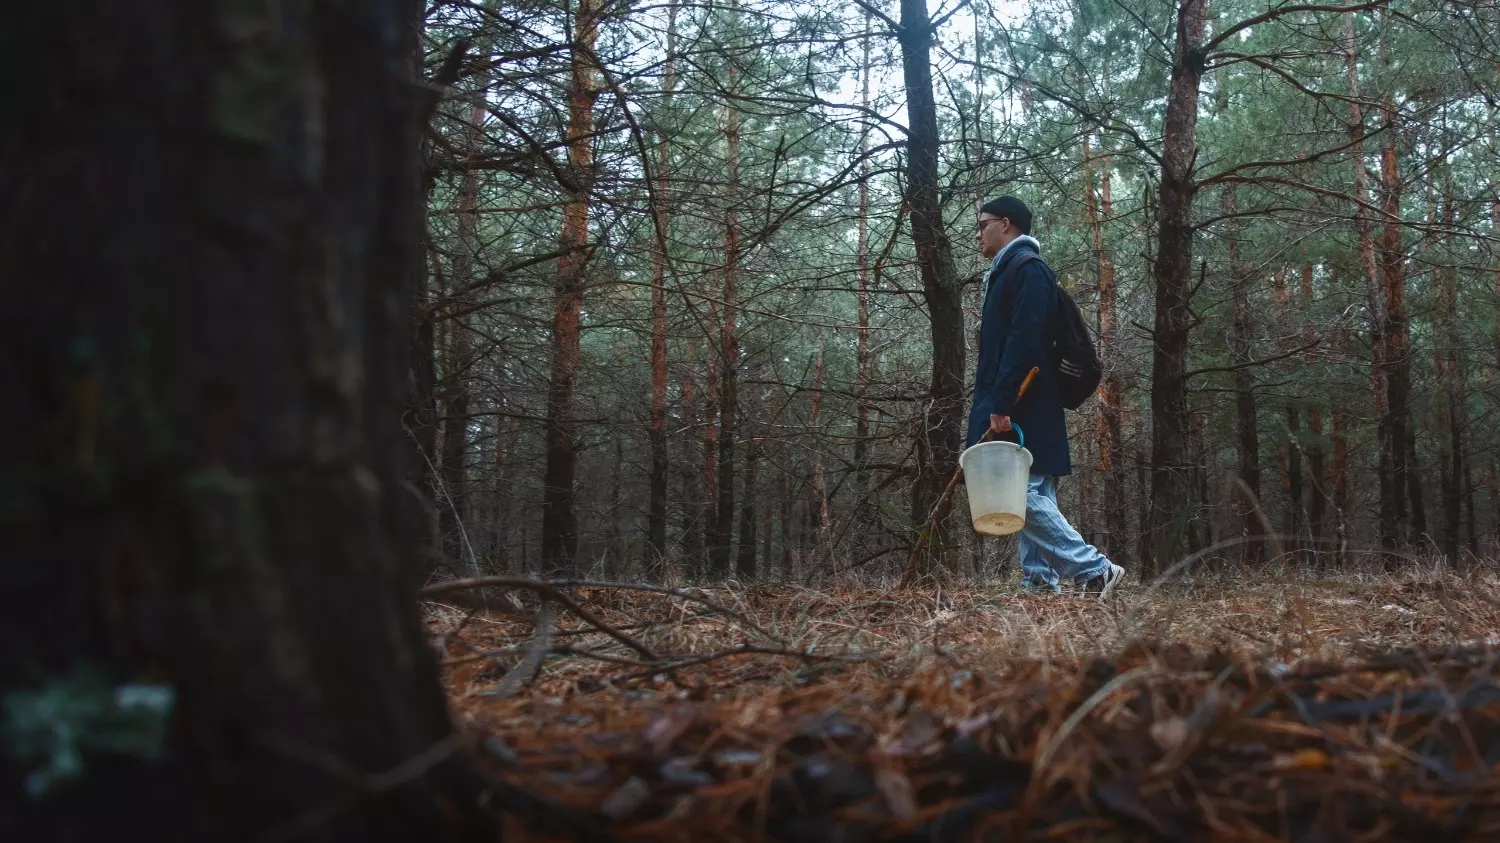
(1020, 435)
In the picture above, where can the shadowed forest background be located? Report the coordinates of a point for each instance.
(484, 420)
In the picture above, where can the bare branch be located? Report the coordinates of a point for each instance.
(1282, 11)
(1259, 362)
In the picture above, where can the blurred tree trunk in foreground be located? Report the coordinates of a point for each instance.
(212, 214)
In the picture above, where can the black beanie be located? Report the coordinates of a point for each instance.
(1012, 209)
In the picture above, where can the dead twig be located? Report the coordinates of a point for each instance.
(546, 591)
(531, 664)
(514, 582)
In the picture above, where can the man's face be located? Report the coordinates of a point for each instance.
(994, 233)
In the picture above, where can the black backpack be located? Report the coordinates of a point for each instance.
(1076, 362)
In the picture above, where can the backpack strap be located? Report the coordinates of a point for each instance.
(1009, 275)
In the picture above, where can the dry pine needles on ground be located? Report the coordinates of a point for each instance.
(1225, 709)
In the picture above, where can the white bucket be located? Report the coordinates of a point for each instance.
(996, 475)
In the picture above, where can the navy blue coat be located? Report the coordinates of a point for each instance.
(1012, 339)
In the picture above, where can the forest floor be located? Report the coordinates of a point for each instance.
(1272, 705)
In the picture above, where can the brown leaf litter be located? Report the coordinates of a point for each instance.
(1223, 710)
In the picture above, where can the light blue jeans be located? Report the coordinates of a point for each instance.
(1051, 550)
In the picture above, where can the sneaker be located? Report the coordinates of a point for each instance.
(1103, 585)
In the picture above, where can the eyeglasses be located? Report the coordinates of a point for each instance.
(983, 223)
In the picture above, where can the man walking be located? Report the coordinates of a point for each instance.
(1015, 334)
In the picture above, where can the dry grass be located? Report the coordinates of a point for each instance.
(981, 713)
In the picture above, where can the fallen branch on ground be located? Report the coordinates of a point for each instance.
(546, 591)
(537, 585)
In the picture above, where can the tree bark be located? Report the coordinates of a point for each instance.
(1495, 294)
(1241, 335)
(1317, 509)
(1405, 486)
(820, 516)
(1174, 506)
(862, 337)
(454, 466)
(505, 501)
(692, 489)
(729, 345)
(1494, 472)
(709, 503)
(1340, 470)
(1108, 434)
(559, 519)
(1289, 450)
(786, 525)
(1494, 484)
(1294, 487)
(614, 551)
(203, 454)
(656, 522)
(1414, 493)
(1450, 369)
(1391, 493)
(943, 428)
(767, 527)
(745, 558)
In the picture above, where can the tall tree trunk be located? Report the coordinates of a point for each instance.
(559, 520)
(1414, 493)
(1317, 509)
(1201, 460)
(453, 509)
(1392, 493)
(1294, 487)
(453, 498)
(1452, 373)
(709, 504)
(729, 344)
(819, 477)
(1495, 294)
(504, 501)
(656, 521)
(786, 525)
(1495, 299)
(614, 544)
(862, 338)
(1389, 518)
(693, 535)
(1174, 507)
(1142, 499)
(421, 417)
(1397, 331)
(1494, 484)
(454, 468)
(745, 558)
(1290, 448)
(1241, 335)
(1469, 492)
(943, 427)
(1241, 338)
(203, 453)
(1108, 433)
(767, 526)
(1340, 481)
